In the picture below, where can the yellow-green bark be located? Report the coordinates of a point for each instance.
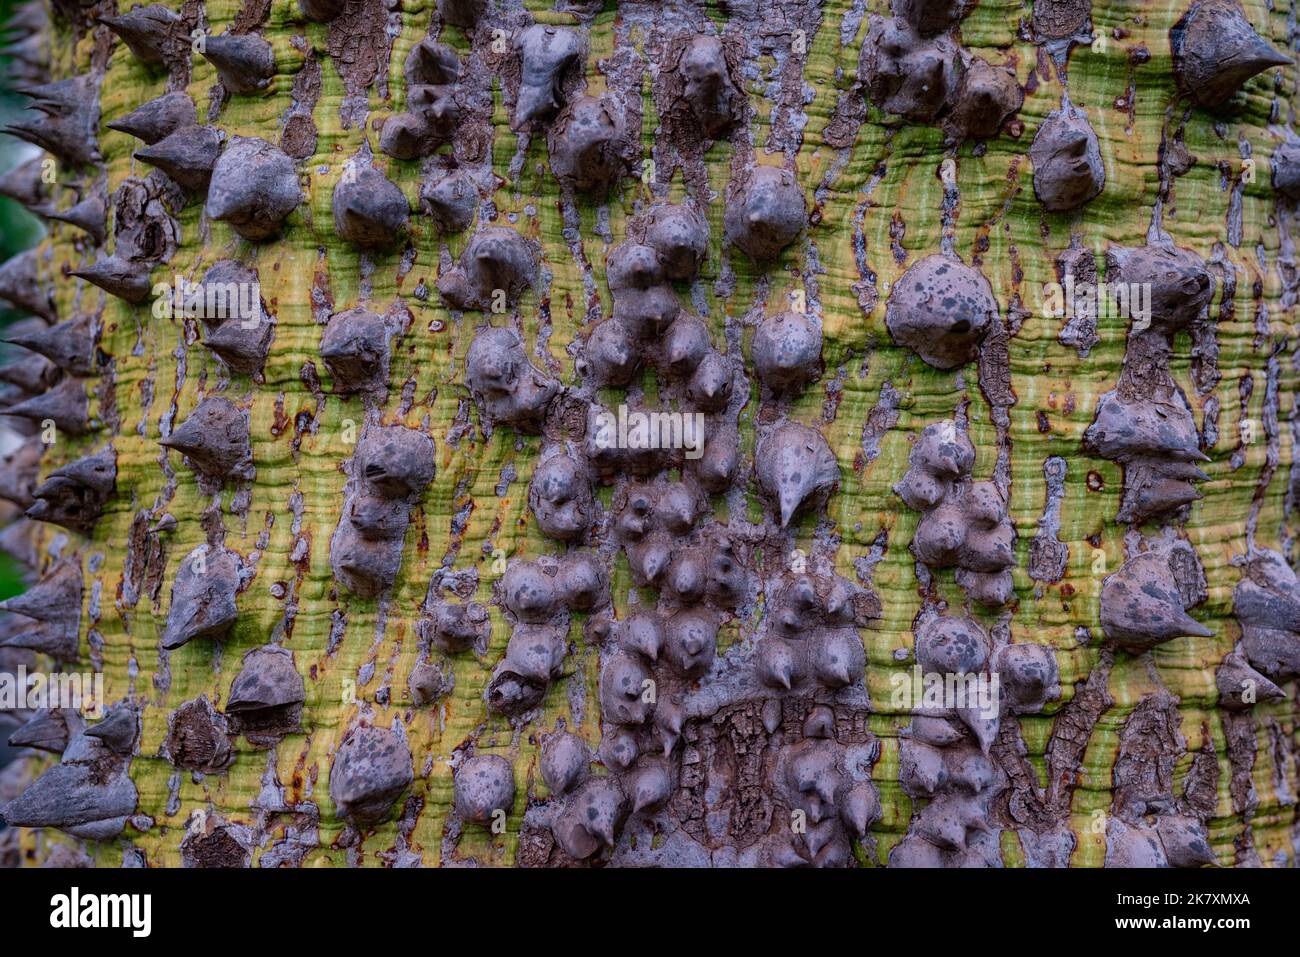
(889, 175)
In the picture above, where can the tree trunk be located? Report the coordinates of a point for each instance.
(341, 470)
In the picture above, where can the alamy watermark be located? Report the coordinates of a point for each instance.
(946, 690)
(208, 300)
(636, 429)
(133, 912)
(1098, 300)
(31, 691)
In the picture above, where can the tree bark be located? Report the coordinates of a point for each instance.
(310, 690)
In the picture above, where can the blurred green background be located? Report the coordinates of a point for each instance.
(19, 230)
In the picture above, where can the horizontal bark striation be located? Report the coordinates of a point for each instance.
(879, 204)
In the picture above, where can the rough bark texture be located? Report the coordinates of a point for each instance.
(1137, 748)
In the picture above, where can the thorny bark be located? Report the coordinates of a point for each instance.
(1136, 742)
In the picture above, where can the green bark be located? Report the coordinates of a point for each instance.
(883, 194)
